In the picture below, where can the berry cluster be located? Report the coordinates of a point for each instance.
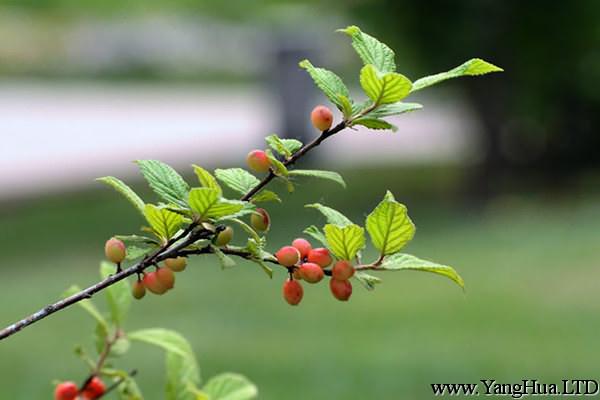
(93, 389)
(311, 265)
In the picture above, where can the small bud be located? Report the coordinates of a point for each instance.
(342, 270)
(288, 256)
(341, 290)
(260, 220)
(258, 161)
(303, 247)
(311, 272)
(321, 118)
(138, 290)
(292, 292)
(66, 391)
(94, 389)
(166, 277)
(224, 237)
(115, 250)
(319, 256)
(176, 264)
(153, 284)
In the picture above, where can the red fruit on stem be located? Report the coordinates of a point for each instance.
(342, 270)
(260, 219)
(66, 391)
(176, 264)
(94, 389)
(319, 256)
(341, 290)
(311, 272)
(292, 292)
(115, 250)
(138, 290)
(224, 237)
(258, 161)
(321, 118)
(153, 284)
(303, 247)
(288, 256)
(166, 277)
(296, 274)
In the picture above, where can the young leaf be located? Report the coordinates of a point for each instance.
(384, 89)
(135, 252)
(277, 165)
(371, 50)
(207, 203)
(330, 175)
(230, 386)
(88, 306)
(118, 295)
(375, 123)
(330, 84)
(474, 66)
(125, 190)
(345, 242)
(136, 240)
(284, 147)
(206, 179)
(264, 196)
(386, 110)
(346, 106)
(389, 226)
(399, 261)
(163, 222)
(316, 234)
(224, 259)
(256, 249)
(164, 180)
(368, 281)
(168, 340)
(237, 179)
(333, 216)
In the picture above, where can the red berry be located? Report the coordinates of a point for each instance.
(153, 284)
(260, 219)
(311, 272)
(341, 290)
(321, 118)
(258, 161)
(303, 247)
(115, 250)
(342, 270)
(319, 256)
(224, 237)
(66, 391)
(176, 264)
(288, 256)
(166, 277)
(138, 290)
(94, 389)
(292, 292)
(296, 274)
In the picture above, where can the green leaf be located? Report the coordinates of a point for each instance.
(345, 242)
(135, 252)
(230, 386)
(247, 228)
(256, 249)
(333, 216)
(371, 50)
(386, 110)
(368, 281)
(330, 84)
(237, 179)
(346, 106)
(278, 167)
(330, 175)
(206, 179)
(384, 88)
(125, 190)
(136, 240)
(163, 222)
(375, 123)
(389, 226)
(473, 67)
(264, 196)
(207, 203)
(88, 306)
(224, 259)
(164, 180)
(399, 261)
(129, 390)
(118, 295)
(316, 234)
(284, 147)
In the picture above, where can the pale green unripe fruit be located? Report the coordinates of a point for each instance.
(260, 220)
(138, 290)
(292, 292)
(115, 250)
(176, 264)
(321, 118)
(341, 290)
(342, 270)
(258, 161)
(224, 237)
(311, 272)
(288, 256)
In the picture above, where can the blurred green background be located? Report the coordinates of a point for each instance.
(515, 208)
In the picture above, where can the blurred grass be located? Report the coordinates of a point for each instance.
(530, 264)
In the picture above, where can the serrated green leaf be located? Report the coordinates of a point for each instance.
(89, 306)
(118, 295)
(384, 88)
(329, 175)
(473, 67)
(266, 195)
(224, 259)
(316, 234)
(135, 252)
(284, 147)
(207, 203)
(206, 179)
(375, 123)
(386, 110)
(344, 242)
(368, 281)
(164, 180)
(333, 216)
(278, 167)
(399, 261)
(125, 190)
(230, 386)
(330, 84)
(136, 239)
(389, 226)
(346, 106)
(237, 179)
(371, 50)
(164, 223)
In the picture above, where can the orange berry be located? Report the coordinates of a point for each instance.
(288, 256)
(166, 277)
(303, 247)
(115, 250)
(292, 292)
(176, 264)
(341, 290)
(311, 272)
(66, 391)
(320, 256)
(321, 118)
(94, 389)
(153, 284)
(258, 161)
(138, 290)
(342, 270)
